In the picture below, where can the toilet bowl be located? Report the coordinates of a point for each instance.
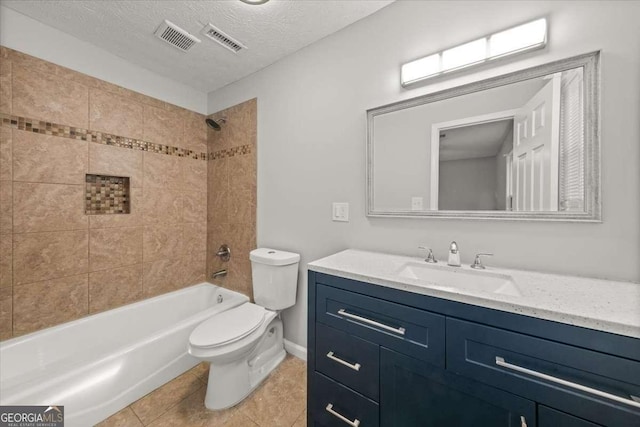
(244, 344)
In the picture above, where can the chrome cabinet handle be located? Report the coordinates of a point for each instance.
(355, 367)
(400, 331)
(523, 422)
(354, 423)
(501, 362)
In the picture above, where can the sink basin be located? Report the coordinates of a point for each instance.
(460, 278)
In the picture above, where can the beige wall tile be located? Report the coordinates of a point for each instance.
(49, 255)
(194, 269)
(162, 126)
(242, 206)
(114, 247)
(132, 219)
(124, 418)
(116, 161)
(161, 170)
(194, 206)
(194, 174)
(160, 400)
(6, 260)
(162, 276)
(195, 132)
(162, 206)
(6, 157)
(30, 62)
(194, 238)
(48, 97)
(5, 86)
(46, 158)
(43, 304)
(6, 207)
(113, 288)
(6, 309)
(218, 192)
(161, 242)
(115, 114)
(48, 207)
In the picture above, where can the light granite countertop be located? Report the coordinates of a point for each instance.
(604, 305)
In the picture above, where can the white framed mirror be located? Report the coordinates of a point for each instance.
(524, 145)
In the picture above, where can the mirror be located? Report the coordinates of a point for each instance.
(518, 146)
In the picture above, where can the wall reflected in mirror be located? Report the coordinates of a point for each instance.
(519, 147)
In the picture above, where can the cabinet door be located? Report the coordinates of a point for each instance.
(415, 393)
(548, 417)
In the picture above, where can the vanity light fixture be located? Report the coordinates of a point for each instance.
(519, 39)
(254, 1)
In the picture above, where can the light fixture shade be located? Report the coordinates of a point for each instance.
(254, 1)
(519, 39)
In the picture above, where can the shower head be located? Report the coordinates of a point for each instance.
(216, 124)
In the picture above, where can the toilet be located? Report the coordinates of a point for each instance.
(244, 344)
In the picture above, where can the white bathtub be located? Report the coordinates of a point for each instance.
(99, 364)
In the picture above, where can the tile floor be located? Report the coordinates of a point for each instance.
(280, 401)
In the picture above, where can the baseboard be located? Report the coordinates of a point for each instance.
(295, 350)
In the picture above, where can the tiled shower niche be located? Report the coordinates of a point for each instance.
(107, 195)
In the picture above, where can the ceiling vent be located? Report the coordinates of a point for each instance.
(176, 36)
(219, 36)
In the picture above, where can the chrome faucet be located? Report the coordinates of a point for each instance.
(220, 273)
(454, 255)
(430, 258)
(477, 263)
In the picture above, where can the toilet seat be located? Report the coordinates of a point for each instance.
(229, 326)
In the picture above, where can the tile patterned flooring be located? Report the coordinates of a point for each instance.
(280, 401)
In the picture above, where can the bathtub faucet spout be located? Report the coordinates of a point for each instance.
(220, 273)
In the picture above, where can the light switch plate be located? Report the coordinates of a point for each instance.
(340, 212)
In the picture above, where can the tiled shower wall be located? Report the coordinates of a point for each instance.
(58, 264)
(232, 194)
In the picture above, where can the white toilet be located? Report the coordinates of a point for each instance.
(245, 343)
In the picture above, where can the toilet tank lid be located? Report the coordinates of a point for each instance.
(273, 256)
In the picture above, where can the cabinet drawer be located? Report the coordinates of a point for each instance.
(546, 371)
(548, 417)
(408, 330)
(334, 405)
(347, 359)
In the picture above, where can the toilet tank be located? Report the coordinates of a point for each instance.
(275, 277)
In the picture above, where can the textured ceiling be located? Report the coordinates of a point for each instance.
(270, 31)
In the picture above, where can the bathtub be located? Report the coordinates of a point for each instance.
(99, 364)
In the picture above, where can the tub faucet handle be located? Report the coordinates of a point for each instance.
(430, 257)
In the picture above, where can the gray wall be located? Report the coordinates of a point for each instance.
(312, 124)
(467, 184)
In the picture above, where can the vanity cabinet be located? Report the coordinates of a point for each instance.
(379, 356)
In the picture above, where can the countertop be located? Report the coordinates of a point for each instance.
(603, 305)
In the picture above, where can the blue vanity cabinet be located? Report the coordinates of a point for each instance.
(385, 357)
(414, 393)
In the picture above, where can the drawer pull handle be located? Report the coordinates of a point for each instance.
(355, 367)
(501, 362)
(354, 423)
(344, 313)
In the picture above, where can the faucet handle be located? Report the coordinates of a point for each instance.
(477, 263)
(430, 258)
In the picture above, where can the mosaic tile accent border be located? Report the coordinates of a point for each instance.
(107, 195)
(230, 152)
(63, 131)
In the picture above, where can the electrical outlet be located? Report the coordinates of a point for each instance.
(340, 212)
